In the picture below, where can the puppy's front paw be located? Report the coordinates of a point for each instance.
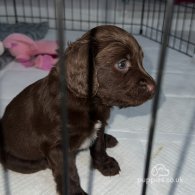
(78, 192)
(110, 140)
(108, 166)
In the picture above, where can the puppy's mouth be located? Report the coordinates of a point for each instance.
(129, 96)
(130, 101)
(143, 96)
(138, 97)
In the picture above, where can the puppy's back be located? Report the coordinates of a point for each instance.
(20, 122)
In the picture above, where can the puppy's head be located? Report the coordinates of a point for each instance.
(115, 57)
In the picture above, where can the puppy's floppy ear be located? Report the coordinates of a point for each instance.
(80, 80)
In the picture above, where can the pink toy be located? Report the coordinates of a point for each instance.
(41, 54)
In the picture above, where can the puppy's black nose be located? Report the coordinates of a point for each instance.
(147, 85)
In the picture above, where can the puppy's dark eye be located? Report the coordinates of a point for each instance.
(123, 65)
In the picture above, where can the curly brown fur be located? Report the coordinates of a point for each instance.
(31, 125)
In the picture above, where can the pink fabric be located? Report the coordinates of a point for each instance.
(44, 62)
(32, 53)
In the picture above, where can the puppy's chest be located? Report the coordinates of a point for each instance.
(92, 137)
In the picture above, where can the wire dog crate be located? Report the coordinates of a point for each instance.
(144, 17)
(140, 17)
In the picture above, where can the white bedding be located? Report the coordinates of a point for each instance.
(175, 125)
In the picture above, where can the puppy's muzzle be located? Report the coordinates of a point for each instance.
(148, 85)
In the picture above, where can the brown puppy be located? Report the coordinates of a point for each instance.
(31, 126)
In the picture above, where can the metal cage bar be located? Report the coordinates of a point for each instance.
(123, 13)
(162, 57)
(3, 159)
(63, 93)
